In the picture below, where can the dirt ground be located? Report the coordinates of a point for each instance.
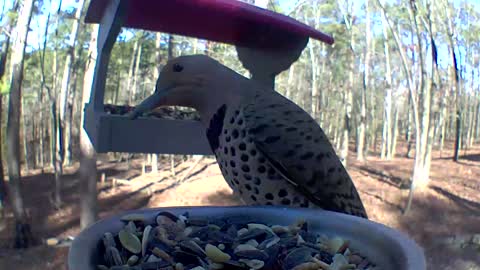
(449, 207)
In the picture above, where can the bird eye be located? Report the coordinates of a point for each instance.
(177, 67)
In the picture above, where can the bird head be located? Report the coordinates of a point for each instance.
(189, 81)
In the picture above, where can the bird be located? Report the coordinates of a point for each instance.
(270, 151)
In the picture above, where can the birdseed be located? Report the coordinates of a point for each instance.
(192, 243)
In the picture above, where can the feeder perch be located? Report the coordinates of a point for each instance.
(267, 43)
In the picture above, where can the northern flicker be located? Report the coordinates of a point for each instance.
(270, 151)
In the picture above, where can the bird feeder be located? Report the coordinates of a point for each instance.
(267, 43)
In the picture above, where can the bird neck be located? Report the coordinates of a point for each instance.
(230, 91)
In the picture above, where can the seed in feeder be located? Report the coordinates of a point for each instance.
(253, 264)
(280, 229)
(252, 233)
(252, 254)
(132, 260)
(130, 241)
(300, 240)
(108, 240)
(334, 244)
(180, 224)
(243, 247)
(130, 227)
(252, 226)
(267, 243)
(113, 256)
(297, 226)
(307, 266)
(214, 227)
(223, 245)
(215, 266)
(163, 236)
(252, 242)
(321, 264)
(191, 246)
(120, 267)
(162, 254)
(187, 231)
(242, 231)
(164, 221)
(216, 254)
(179, 266)
(198, 268)
(355, 259)
(340, 263)
(146, 238)
(344, 247)
(153, 258)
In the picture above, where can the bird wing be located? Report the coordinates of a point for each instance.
(296, 146)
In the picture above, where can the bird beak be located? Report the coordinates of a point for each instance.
(150, 103)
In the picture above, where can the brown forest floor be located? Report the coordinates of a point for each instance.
(450, 206)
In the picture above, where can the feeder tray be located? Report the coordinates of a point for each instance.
(267, 43)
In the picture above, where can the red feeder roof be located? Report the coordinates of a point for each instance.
(227, 21)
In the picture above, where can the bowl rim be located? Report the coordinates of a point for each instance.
(413, 253)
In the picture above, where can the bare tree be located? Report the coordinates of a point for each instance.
(156, 73)
(88, 158)
(387, 120)
(23, 236)
(347, 95)
(3, 64)
(366, 86)
(64, 126)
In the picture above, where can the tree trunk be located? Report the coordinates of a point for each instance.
(58, 157)
(131, 71)
(424, 134)
(386, 123)
(156, 73)
(3, 65)
(136, 71)
(23, 235)
(366, 87)
(88, 158)
(476, 129)
(25, 137)
(420, 173)
(471, 111)
(393, 140)
(314, 69)
(64, 90)
(3, 184)
(56, 147)
(408, 129)
(386, 135)
(458, 131)
(41, 134)
(170, 56)
(348, 98)
(421, 120)
(290, 80)
(68, 134)
(321, 101)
